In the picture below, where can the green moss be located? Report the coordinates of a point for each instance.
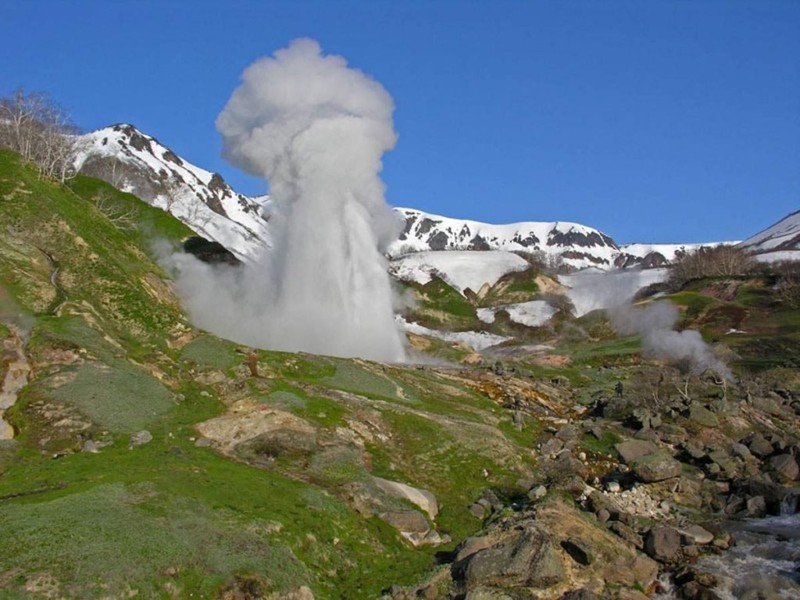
(209, 351)
(120, 398)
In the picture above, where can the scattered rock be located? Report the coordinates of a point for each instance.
(140, 438)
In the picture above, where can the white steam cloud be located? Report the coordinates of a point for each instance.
(316, 130)
(654, 323)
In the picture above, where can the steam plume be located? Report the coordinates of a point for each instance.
(316, 129)
(655, 323)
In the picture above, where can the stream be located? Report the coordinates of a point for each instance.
(763, 564)
(16, 377)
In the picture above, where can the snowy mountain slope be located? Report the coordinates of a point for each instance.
(576, 245)
(461, 269)
(138, 163)
(783, 236)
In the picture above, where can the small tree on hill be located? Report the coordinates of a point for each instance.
(717, 261)
(37, 128)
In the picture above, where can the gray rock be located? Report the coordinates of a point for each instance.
(662, 543)
(702, 416)
(785, 466)
(672, 434)
(694, 534)
(582, 594)
(568, 432)
(632, 450)
(647, 435)
(656, 467)
(140, 438)
(578, 551)
(485, 593)
(552, 446)
(760, 446)
(478, 511)
(627, 534)
(406, 521)
(202, 442)
(694, 450)
(756, 506)
(741, 451)
(524, 557)
(537, 493)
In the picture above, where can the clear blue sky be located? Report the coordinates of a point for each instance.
(653, 121)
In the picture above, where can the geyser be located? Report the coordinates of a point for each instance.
(316, 130)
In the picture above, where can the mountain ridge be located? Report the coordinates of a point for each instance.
(134, 161)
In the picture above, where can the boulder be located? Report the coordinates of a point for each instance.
(631, 450)
(656, 467)
(523, 556)
(662, 543)
(785, 467)
(578, 551)
(140, 438)
(422, 498)
(627, 534)
(756, 506)
(694, 534)
(760, 446)
(702, 416)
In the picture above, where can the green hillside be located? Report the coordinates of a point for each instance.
(150, 459)
(87, 514)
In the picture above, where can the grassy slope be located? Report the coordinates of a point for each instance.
(167, 518)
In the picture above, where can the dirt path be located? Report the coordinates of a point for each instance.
(16, 378)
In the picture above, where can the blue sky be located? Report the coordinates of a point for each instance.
(652, 121)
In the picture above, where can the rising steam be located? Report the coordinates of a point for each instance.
(654, 323)
(316, 130)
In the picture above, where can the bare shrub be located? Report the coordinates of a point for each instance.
(37, 128)
(787, 285)
(717, 261)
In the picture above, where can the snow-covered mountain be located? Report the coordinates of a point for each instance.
(576, 245)
(138, 163)
(572, 244)
(780, 241)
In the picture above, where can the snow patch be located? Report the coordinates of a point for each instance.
(531, 314)
(460, 269)
(477, 340)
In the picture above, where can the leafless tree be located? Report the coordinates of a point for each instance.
(36, 127)
(121, 217)
(718, 261)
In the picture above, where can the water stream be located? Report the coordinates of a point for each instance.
(764, 562)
